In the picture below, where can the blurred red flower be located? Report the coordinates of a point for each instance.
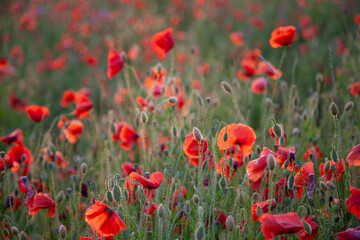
(282, 36)
(163, 42)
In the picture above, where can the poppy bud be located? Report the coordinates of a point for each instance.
(200, 101)
(197, 134)
(60, 197)
(200, 211)
(109, 196)
(319, 77)
(334, 109)
(160, 210)
(295, 102)
(277, 130)
(296, 132)
(230, 223)
(307, 227)
(2, 154)
(291, 182)
(174, 131)
(225, 137)
(327, 166)
(271, 162)
(187, 208)
(286, 164)
(172, 100)
(14, 231)
(349, 106)
(143, 117)
(83, 168)
(269, 102)
(323, 186)
(195, 198)
(93, 186)
(23, 236)
(242, 197)
(226, 87)
(334, 156)
(117, 193)
(5, 233)
(200, 233)
(112, 127)
(286, 172)
(330, 185)
(222, 183)
(123, 56)
(208, 100)
(305, 115)
(62, 231)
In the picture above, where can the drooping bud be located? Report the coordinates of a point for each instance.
(62, 231)
(117, 193)
(172, 100)
(271, 162)
(14, 230)
(187, 208)
(83, 168)
(200, 233)
(109, 196)
(197, 134)
(330, 185)
(174, 131)
(327, 166)
(123, 56)
(230, 223)
(277, 130)
(23, 236)
(143, 117)
(323, 186)
(334, 155)
(226, 87)
(291, 182)
(195, 198)
(60, 197)
(296, 132)
(222, 183)
(349, 106)
(259, 211)
(160, 210)
(334, 109)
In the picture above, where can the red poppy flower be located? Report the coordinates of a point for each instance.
(264, 208)
(163, 42)
(73, 130)
(284, 154)
(16, 137)
(350, 233)
(303, 235)
(129, 167)
(82, 109)
(67, 97)
(282, 36)
(56, 157)
(330, 175)
(115, 64)
(263, 68)
(258, 85)
(176, 196)
(150, 209)
(255, 169)
(24, 187)
(353, 158)
(248, 69)
(238, 135)
(275, 225)
(303, 178)
(37, 113)
(126, 134)
(280, 187)
(314, 150)
(355, 88)
(192, 148)
(353, 202)
(152, 182)
(206, 157)
(104, 220)
(19, 154)
(237, 39)
(42, 201)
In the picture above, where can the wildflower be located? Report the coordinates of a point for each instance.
(282, 36)
(192, 147)
(14, 137)
(255, 169)
(115, 64)
(163, 42)
(37, 113)
(349, 233)
(303, 235)
(152, 182)
(353, 158)
(352, 202)
(42, 201)
(104, 220)
(259, 86)
(24, 187)
(82, 108)
(264, 208)
(73, 130)
(275, 225)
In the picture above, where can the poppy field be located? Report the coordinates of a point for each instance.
(203, 119)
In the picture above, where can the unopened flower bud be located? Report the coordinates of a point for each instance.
(109, 196)
(160, 210)
(174, 131)
(117, 193)
(296, 132)
(195, 198)
(197, 134)
(143, 117)
(327, 166)
(62, 231)
(14, 231)
(83, 168)
(320, 77)
(200, 233)
(222, 183)
(23, 236)
(230, 223)
(60, 197)
(271, 162)
(226, 87)
(330, 185)
(277, 130)
(172, 100)
(334, 109)
(349, 106)
(208, 100)
(323, 186)
(123, 56)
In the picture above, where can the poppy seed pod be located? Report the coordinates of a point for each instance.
(226, 87)
(83, 168)
(277, 130)
(230, 223)
(323, 186)
(334, 109)
(200, 233)
(172, 100)
(62, 231)
(197, 134)
(143, 117)
(271, 162)
(349, 106)
(160, 210)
